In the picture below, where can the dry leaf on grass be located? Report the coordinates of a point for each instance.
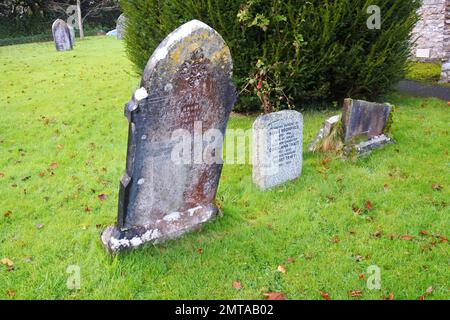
(281, 269)
(325, 295)
(275, 296)
(237, 285)
(7, 262)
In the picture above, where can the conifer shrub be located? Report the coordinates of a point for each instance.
(290, 53)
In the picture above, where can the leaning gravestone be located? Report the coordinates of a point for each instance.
(61, 35)
(363, 127)
(121, 24)
(277, 148)
(186, 91)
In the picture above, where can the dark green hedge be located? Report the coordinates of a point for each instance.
(293, 52)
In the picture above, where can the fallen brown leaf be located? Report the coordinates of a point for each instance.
(406, 238)
(7, 214)
(10, 293)
(281, 269)
(87, 209)
(59, 146)
(361, 276)
(443, 239)
(200, 251)
(7, 262)
(237, 285)
(369, 205)
(102, 197)
(427, 292)
(356, 209)
(335, 239)
(356, 294)
(275, 296)
(437, 187)
(377, 234)
(424, 232)
(290, 260)
(391, 297)
(325, 295)
(54, 165)
(2, 174)
(41, 174)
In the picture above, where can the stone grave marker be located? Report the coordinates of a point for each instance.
(120, 27)
(185, 99)
(363, 127)
(72, 35)
(61, 35)
(277, 148)
(362, 119)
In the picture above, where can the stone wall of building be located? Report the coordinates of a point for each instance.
(445, 77)
(429, 31)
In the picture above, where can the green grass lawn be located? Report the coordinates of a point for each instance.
(63, 143)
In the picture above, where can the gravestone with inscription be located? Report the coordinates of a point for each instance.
(61, 35)
(120, 27)
(277, 148)
(185, 99)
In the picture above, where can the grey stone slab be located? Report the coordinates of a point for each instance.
(363, 119)
(61, 35)
(324, 131)
(186, 88)
(277, 148)
(72, 35)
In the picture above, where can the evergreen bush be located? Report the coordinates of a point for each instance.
(289, 53)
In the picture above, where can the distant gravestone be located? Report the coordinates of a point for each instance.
(363, 127)
(121, 24)
(187, 93)
(277, 148)
(72, 35)
(364, 120)
(61, 35)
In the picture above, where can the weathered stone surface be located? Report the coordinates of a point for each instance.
(277, 148)
(186, 88)
(364, 120)
(429, 35)
(445, 75)
(324, 131)
(121, 24)
(61, 35)
(72, 35)
(367, 146)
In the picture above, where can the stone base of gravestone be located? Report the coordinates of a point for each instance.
(277, 148)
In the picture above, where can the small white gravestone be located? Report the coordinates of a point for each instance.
(277, 148)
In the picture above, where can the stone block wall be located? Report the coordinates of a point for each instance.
(429, 31)
(445, 76)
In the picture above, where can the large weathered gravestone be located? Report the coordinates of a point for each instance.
(61, 35)
(186, 92)
(120, 27)
(277, 148)
(363, 126)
